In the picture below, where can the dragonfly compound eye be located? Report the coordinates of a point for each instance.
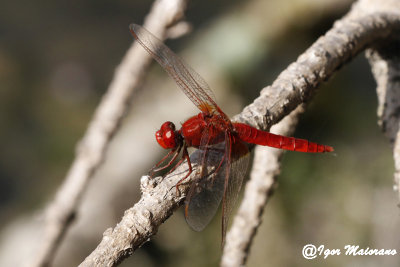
(166, 126)
(166, 136)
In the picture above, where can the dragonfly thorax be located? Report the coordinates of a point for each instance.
(167, 136)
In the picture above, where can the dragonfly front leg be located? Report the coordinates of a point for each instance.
(185, 155)
(175, 152)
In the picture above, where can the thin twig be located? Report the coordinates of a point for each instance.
(95, 143)
(299, 81)
(266, 167)
(384, 58)
(294, 86)
(385, 66)
(355, 37)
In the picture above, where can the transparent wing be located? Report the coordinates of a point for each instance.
(237, 162)
(206, 192)
(191, 83)
(229, 160)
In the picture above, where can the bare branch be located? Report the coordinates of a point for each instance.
(298, 83)
(266, 167)
(384, 58)
(140, 222)
(107, 118)
(295, 85)
(385, 63)
(179, 29)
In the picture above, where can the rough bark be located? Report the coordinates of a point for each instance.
(384, 58)
(266, 168)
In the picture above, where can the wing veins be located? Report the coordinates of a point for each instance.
(190, 82)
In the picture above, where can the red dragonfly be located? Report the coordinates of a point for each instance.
(222, 143)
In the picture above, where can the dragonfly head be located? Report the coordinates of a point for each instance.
(167, 137)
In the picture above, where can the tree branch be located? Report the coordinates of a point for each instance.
(385, 66)
(298, 83)
(107, 118)
(384, 58)
(266, 167)
(295, 85)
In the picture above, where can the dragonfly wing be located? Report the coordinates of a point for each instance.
(237, 167)
(229, 160)
(191, 83)
(205, 193)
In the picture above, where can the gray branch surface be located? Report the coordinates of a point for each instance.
(295, 85)
(385, 63)
(91, 151)
(299, 82)
(384, 58)
(262, 182)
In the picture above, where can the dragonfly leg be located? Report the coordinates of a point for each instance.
(185, 155)
(175, 152)
(215, 170)
(220, 163)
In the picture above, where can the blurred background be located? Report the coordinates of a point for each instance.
(56, 61)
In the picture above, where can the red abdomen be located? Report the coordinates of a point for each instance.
(254, 136)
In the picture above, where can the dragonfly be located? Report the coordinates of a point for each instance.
(223, 144)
